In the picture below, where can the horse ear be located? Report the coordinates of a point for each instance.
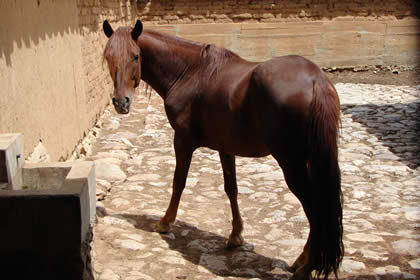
(138, 28)
(107, 29)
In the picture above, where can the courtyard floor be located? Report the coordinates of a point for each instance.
(380, 163)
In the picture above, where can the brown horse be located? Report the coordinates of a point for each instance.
(285, 107)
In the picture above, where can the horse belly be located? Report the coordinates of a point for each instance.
(247, 146)
(235, 136)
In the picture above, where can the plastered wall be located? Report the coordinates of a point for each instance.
(42, 92)
(54, 84)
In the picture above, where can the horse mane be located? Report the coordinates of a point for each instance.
(211, 58)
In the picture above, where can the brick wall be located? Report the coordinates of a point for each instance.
(252, 11)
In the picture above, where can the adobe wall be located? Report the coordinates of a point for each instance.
(54, 84)
(333, 33)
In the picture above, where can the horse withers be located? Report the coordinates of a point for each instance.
(284, 107)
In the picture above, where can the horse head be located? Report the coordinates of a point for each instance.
(123, 56)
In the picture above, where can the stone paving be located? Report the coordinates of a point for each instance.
(379, 156)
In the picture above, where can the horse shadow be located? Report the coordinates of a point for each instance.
(396, 126)
(208, 250)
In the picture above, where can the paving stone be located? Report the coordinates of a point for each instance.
(406, 247)
(352, 266)
(129, 244)
(415, 263)
(108, 274)
(109, 172)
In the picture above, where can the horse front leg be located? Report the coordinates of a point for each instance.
(231, 189)
(183, 154)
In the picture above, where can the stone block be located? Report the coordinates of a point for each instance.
(299, 45)
(169, 29)
(58, 175)
(11, 159)
(253, 48)
(46, 216)
(350, 43)
(402, 42)
(83, 172)
(284, 29)
(45, 234)
(207, 29)
(49, 175)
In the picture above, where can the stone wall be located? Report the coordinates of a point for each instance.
(252, 11)
(332, 33)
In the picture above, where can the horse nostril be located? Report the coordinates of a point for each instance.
(127, 100)
(114, 101)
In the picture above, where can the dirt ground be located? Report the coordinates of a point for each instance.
(381, 77)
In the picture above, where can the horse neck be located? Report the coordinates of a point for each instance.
(165, 61)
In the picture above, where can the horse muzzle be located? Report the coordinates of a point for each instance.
(122, 105)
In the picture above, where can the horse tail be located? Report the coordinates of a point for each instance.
(324, 173)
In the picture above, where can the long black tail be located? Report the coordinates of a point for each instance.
(324, 171)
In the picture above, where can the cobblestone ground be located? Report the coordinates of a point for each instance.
(379, 156)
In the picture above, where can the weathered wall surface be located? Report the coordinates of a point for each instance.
(252, 11)
(54, 84)
(332, 33)
(328, 43)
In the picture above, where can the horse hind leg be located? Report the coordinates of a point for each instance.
(297, 180)
(231, 189)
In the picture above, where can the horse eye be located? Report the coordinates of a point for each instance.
(136, 57)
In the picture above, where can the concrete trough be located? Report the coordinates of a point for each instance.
(46, 214)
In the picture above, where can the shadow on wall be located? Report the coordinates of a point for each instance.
(24, 24)
(396, 126)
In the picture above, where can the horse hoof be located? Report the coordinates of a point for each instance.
(234, 242)
(291, 269)
(295, 266)
(162, 228)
